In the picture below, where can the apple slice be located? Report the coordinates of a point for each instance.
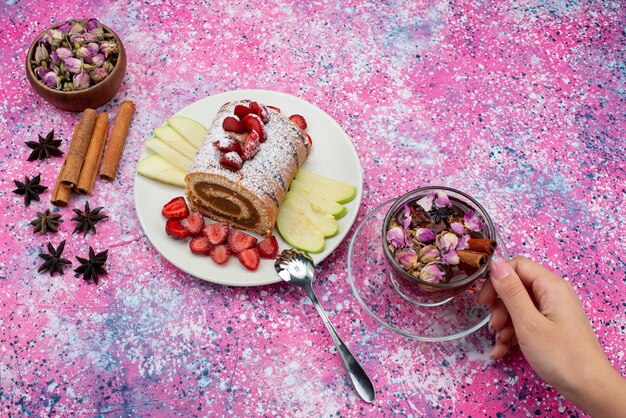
(172, 138)
(158, 168)
(188, 128)
(168, 153)
(323, 221)
(297, 230)
(326, 204)
(336, 190)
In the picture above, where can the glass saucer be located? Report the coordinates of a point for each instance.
(372, 286)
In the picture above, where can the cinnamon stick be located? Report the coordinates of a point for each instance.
(482, 245)
(116, 141)
(93, 157)
(472, 258)
(78, 148)
(61, 194)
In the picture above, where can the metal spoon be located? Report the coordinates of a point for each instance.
(297, 268)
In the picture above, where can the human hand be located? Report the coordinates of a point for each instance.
(533, 307)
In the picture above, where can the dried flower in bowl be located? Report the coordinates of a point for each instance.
(75, 55)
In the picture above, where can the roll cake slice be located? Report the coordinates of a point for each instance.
(249, 198)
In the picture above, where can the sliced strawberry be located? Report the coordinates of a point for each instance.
(239, 240)
(254, 123)
(232, 124)
(268, 248)
(231, 160)
(242, 110)
(249, 258)
(251, 146)
(228, 145)
(193, 223)
(220, 253)
(217, 233)
(200, 245)
(277, 109)
(175, 208)
(261, 111)
(299, 121)
(308, 137)
(174, 229)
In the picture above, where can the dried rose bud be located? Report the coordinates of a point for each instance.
(451, 258)
(81, 81)
(77, 40)
(41, 53)
(89, 37)
(54, 57)
(64, 53)
(83, 52)
(41, 71)
(442, 200)
(99, 74)
(98, 33)
(457, 228)
(97, 60)
(108, 66)
(93, 48)
(447, 241)
(406, 258)
(407, 217)
(76, 28)
(65, 28)
(431, 273)
(73, 65)
(425, 235)
(92, 24)
(462, 244)
(396, 236)
(50, 79)
(56, 36)
(473, 221)
(428, 254)
(108, 48)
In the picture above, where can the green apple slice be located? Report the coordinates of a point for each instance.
(158, 168)
(168, 153)
(172, 138)
(323, 221)
(190, 129)
(326, 204)
(336, 190)
(297, 230)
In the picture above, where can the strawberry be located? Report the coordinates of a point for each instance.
(232, 124)
(254, 123)
(251, 146)
(242, 110)
(200, 245)
(239, 241)
(308, 138)
(220, 253)
(174, 229)
(268, 248)
(277, 109)
(193, 223)
(299, 121)
(249, 258)
(228, 145)
(261, 111)
(231, 160)
(175, 208)
(216, 233)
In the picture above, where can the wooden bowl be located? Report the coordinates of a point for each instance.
(77, 101)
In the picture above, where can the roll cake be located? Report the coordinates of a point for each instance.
(248, 198)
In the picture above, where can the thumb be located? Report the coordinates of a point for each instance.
(512, 291)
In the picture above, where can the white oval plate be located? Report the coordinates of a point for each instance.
(333, 155)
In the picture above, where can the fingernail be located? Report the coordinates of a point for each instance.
(490, 327)
(499, 269)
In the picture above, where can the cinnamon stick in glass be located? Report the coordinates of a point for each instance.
(116, 140)
(482, 245)
(78, 148)
(61, 194)
(93, 157)
(472, 258)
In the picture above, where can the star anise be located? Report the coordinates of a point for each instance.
(46, 222)
(31, 189)
(92, 267)
(45, 148)
(444, 214)
(53, 263)
(87, 220)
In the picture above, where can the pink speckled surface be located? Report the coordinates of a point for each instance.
(520, 104)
